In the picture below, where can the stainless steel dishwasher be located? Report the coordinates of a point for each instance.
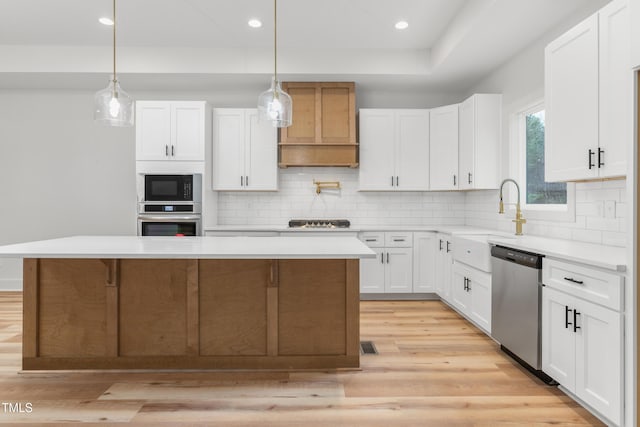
(516, 297)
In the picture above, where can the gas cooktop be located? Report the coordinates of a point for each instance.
(319, 223)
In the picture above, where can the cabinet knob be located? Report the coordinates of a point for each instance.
(576, 313)
(454, 181)
(166, 150)
(469, 178)
(591, 153)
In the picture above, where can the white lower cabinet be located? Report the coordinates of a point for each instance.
(471, 294)
(443, 265)
(582, 346)
(392, 269)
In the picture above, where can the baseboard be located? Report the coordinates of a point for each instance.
(10, 285)
(398, 297)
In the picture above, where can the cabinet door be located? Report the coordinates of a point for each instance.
(571, 103)
(153, 130)
(439, 266)
(616, 88)
(599, 359)
(187, 130)
(412, 150)
(480, 285)
(443, 148)
(399, 271)
(479, 145)
(377, 139)
(372, 273)
(460, 296)
(228, 149)
(634, 6)
(558, 338)
(261, 155)
(424, 262)
(444, 266)
(467, 144)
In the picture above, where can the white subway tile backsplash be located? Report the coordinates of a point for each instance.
(297, 199)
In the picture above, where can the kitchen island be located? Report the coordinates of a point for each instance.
(124, 302)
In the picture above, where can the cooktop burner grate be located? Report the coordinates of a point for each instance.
(319, 223)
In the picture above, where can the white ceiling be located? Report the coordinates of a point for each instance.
(449, 43)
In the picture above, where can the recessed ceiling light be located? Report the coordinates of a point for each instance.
(255, 23)
(105, 21)
(402, 25)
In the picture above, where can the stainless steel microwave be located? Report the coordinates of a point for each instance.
(172, 188)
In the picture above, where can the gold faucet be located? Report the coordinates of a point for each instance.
(519, 219)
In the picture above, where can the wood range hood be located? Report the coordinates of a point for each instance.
(323, 132)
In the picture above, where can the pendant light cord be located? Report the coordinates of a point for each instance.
(114, 41)
(275, 40)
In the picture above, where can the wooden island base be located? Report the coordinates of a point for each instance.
(190, 314)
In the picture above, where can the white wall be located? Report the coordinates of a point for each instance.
(297, 198)
(60, 174)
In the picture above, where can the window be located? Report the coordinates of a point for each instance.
(543, 200)
(538, 191)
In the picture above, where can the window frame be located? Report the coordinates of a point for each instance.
(518, 168)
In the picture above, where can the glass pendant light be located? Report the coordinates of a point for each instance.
(112, 105)
(274, 104)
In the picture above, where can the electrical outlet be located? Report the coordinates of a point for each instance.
(610, 209)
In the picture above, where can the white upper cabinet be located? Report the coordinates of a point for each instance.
(616, 89)
(443, 157)
(245, 151)
(588, 98)
(479, 141)
(394, 150)
(635, 33)
(171, 130)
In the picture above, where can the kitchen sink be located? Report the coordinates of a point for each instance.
(473, 250)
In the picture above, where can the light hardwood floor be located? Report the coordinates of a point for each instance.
(434, 369)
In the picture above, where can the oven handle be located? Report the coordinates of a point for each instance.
(169, 218)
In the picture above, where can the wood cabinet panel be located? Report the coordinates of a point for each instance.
(153, 301)
(323, 132)
(190, 314)
(72, 312)
(335, 114)
(311, 318)
(303, 128)
(233, 307)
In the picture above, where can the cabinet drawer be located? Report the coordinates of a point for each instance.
(398, 240)
(372, 239)
(593, 285)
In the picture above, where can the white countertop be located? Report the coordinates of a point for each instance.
(448, 229)
(608, 257)
(192, 247)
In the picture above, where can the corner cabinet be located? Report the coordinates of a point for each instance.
(588, 98)
(480, 117)
(394, 150)
(171, 130)
(424, 262)
(582, 334)
(443, 148)
(244, 151)
(323, 132)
